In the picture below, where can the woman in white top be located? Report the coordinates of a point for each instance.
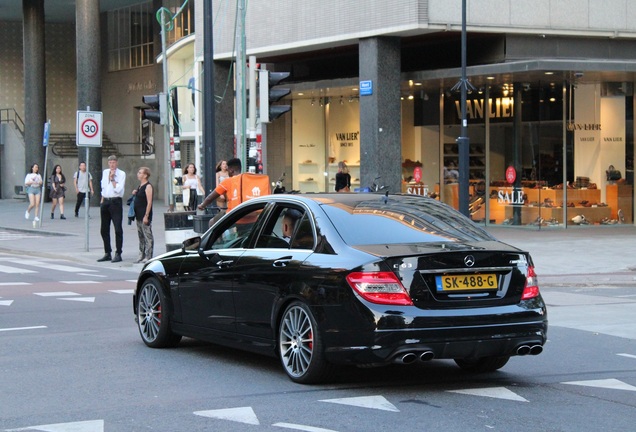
(33, 183)
(221, 174)
(191, 182)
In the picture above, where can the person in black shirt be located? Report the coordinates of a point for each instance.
(343, 179)
(143, 215)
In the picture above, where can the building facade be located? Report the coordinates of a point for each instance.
(550, 118)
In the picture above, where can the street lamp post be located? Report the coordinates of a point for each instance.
(463, 142)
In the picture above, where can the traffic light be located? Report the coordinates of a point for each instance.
(267, 94)
(156, 111)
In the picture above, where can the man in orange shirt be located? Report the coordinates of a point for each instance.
(226, 187)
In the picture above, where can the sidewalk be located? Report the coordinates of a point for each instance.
(577, 256)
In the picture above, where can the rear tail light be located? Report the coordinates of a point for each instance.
(531, 290)
(379, 287)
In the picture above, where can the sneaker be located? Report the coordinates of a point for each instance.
(36, 219)
(62, 217)
(26, 215)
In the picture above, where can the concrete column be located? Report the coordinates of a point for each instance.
(224, 111)
(34, 82)
(380, 113)
(89, 68)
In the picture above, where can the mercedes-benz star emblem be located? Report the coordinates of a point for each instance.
(469, 260)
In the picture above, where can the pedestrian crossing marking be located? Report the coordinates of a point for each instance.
(126, 291)
(241, 415)
(80, 282)
(627, 355)
(6, 302)
(611, 383)
(373, 402)
(92, 275)
(51, 266)
(491, 392)
(56, 294)
(14, 283)
(302, 427)
(79, 299)
(81, 426)
(14, 270)
(22, 328)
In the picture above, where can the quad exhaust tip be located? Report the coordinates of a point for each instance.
(527, 349)
(411, 357)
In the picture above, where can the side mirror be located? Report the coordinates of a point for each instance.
(191, 244)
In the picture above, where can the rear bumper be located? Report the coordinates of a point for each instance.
(389, 346)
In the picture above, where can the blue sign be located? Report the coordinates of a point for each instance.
(366, 88)
(45, 142)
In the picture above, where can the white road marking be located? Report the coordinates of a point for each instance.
(92, 275)
(57, 294)
(302, 427)
(52, 266)
(491, 392)
(127, 291)
(131, 280)
(611, 383)
(14, 270)
(241, 415)
(6, 302)
(14, 283)
(627, 355)
(82, 426)
(80, 282)
(22, 328)
(373, 402)
(79, 299)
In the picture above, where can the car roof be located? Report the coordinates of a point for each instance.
(350, 199)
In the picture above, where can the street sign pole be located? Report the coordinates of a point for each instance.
(89, 134)
(45, 143)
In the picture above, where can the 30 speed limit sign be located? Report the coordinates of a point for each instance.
(89, 128)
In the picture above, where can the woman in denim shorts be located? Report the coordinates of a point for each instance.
(33, 183)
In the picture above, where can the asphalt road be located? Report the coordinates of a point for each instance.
(71, 359)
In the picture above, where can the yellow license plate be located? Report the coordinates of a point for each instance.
(466, 282)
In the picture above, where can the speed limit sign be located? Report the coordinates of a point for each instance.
(89, 128)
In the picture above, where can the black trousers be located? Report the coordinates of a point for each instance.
(81, 196)
(112, 210)
(192, 204)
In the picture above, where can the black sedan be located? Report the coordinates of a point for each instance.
(361, 279)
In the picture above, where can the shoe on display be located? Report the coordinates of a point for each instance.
(117, 258)
(106, 257)
(26, 215)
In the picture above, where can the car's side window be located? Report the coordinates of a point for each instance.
(304, 234)
(236, 232)
(281, 227)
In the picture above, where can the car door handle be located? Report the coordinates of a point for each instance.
(224, 264)
(282, 262)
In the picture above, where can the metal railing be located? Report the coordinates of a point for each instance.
(64, 145)
(10, 115)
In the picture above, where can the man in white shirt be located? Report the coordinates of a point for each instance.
(111, 208)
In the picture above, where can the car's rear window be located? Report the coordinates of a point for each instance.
(381, 220)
